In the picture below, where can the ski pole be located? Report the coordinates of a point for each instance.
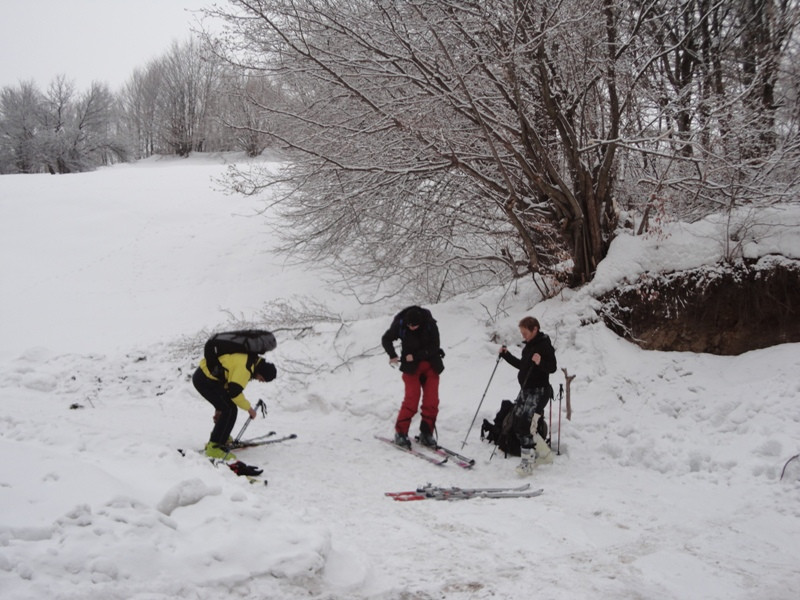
(464, 443)
(246, 423)
(560, 396)
(259, 405)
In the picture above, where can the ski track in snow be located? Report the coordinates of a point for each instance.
(666, 487)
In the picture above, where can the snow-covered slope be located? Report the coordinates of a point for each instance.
(667, 485)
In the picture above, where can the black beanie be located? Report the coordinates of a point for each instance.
(414, 316)
(266, 370)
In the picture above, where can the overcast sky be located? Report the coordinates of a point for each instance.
(88, 40)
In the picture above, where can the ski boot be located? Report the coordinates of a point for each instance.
(218, 451)
(426, 436)
(527, 462)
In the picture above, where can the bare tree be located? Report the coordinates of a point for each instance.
(57, 122)
(174, 104)
(189, 87)
(79, 133)
(140, 109)
(60, 131)
(475, 138)
(20, 122)
(450, 142)
(243, 110)
(726, 134)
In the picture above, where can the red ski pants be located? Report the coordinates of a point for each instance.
(425, 383)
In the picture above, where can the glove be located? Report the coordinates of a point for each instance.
(241, 468)
(535, 423)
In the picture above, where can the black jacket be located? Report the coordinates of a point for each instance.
(422, 343)
(530, 374)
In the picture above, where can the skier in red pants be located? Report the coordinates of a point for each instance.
(421, 363)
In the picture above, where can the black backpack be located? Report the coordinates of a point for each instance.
(249, 341)
(501, 432)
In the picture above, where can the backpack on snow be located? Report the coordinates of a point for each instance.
(501, 432)
(248, 341)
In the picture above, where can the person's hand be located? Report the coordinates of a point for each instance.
(409, 358)
(252, 412)
(536, 358)
(535, 423)
(503, 350)
(394, 360)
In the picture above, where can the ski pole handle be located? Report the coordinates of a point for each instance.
(262, 406)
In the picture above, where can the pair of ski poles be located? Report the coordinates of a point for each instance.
(560, 396)
(260, 405)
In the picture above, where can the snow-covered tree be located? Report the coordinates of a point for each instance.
(20, 122)
(174, 104)
(189, 85)
(59, 131)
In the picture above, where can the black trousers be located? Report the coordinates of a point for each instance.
(529, 401)
(218, 396)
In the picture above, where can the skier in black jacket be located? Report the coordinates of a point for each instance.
(537, 362)
(421, 363)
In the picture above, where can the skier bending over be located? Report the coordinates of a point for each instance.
(421, 364)
(227, 393)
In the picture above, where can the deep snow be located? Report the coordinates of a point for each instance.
(667, 485)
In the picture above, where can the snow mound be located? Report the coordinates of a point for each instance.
(186, 493)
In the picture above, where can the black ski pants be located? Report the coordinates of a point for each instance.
(530, 401)
(218, 396)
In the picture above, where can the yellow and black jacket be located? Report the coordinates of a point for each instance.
(238, 372)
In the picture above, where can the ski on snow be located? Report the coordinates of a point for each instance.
(462, 461)
(262, 440)
(431, 459)
(430, 491)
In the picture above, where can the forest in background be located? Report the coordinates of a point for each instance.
(453, 144)
(185, 101)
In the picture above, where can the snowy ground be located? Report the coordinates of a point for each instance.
(667, 486)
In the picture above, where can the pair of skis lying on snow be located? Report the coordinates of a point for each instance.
(429, 491)
(442, 455)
